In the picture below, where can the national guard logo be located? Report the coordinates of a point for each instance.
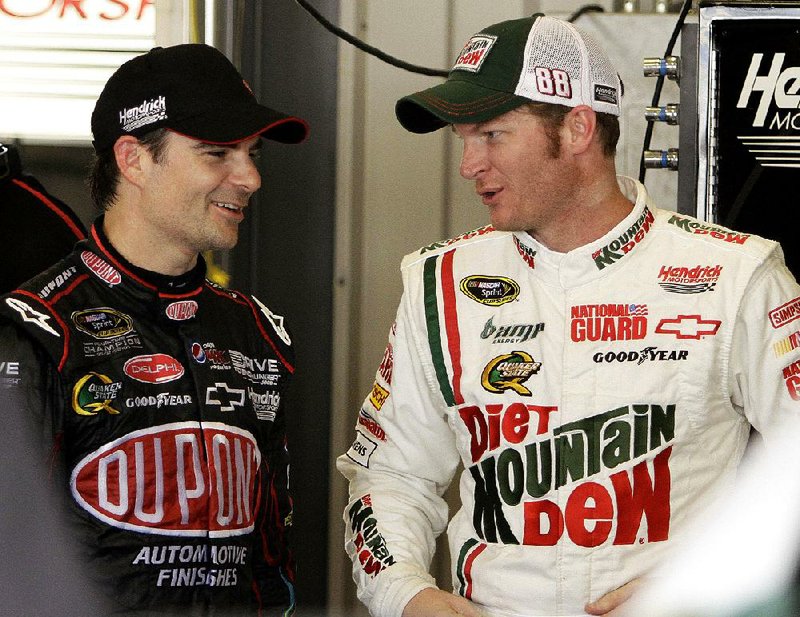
(489, 290)
(508, 372)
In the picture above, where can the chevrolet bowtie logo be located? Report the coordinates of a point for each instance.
(227, 398)
(688, 326)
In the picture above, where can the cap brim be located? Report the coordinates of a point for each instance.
(453, 102)
(229, 124)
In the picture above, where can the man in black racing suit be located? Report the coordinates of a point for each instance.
(157, 393)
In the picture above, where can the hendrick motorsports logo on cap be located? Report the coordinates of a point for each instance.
(606, 94)
(474, 53)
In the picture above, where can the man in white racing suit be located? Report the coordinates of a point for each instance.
(595, 363)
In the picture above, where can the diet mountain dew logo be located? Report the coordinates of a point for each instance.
(94, 393)
(508, 372)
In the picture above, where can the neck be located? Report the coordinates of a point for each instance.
(144, 247)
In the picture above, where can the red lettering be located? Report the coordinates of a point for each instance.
(577, 512)
(4, 9)
(510, 424)
(494, 425)
(534, 511)
(647, 498)
(515, 423)
(793, 385)
(76, 4)
(142, 6)
(472, 417)
(544, 417)
(123, 10)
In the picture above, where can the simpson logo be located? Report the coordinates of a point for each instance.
(489, 290)
(101, 269)
(362, 449)
(368, 543)
(696, 227)
(784, 346)
(688, 327)
(93, 393)
(617, 249)
(527, 253)
(791, 375)
(102, 323)
(177, 479)
(153, 368)
(509, 372)
(181, 310)
(378, 396)
(226, 397)
(626, 507)
(154, 110)
(474, 53)
(683, 280)
(29, 315)
(785, 313)
(516, 333)
(608, 322)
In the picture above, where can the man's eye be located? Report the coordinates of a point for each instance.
(217, 153)
(255, 155)
(492, 134)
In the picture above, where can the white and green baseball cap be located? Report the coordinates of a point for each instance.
(538, 58)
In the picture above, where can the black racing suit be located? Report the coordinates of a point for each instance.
(160, 401)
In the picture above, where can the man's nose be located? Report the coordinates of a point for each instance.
(473, 161)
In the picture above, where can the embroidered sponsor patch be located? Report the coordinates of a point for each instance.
(378, 396)
(474, 53)
(785, 313)
(181, 310)
(362, 449)
(605, 94)
(489, 290)
(148, 112)
(101, 268)
(102, 322)
(508, 372)
(29, 315)
(685, 280)
(93, 393)
(153, 368)
(688, 327)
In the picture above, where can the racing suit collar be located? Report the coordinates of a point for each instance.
(174, 286)
(596, 259)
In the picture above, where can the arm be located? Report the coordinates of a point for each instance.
(401, 462)
(764, 371)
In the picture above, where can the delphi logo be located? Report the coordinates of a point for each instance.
(781, 86)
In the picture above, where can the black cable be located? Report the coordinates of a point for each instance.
(346, 36)
(589, 8)
(648, 133)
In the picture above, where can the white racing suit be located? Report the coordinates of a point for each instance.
(595, 399)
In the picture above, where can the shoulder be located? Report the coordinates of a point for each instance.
(712, 237)
(480, 237)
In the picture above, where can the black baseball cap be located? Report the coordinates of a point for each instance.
(192, 89)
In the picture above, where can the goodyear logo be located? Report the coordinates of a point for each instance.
(489, 290)
(509, 372)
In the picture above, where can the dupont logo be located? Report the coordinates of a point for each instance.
(102, 269)
(173, 480)
(182, 310)
(153, 368)
(786, 313)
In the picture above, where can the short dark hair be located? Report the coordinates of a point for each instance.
(104, 174)
(553, 116)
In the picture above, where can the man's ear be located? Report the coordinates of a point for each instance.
(132, 158)
(580, 126)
